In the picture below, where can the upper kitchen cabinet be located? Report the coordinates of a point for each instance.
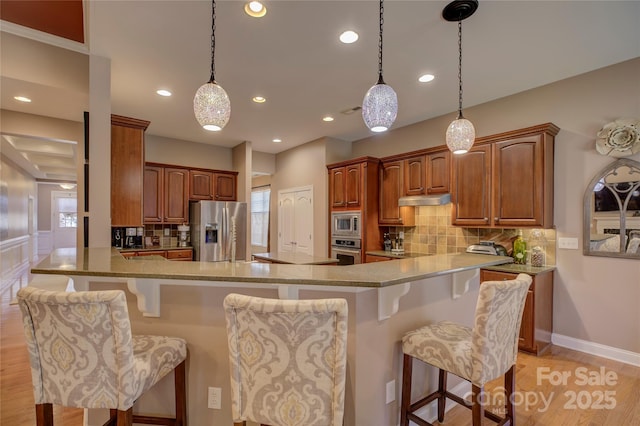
(166, 194)
(353, 185)
(471, 187)
(224, 186)
(200, 185)
(127, 170)
(212, 185)
(176, 195)
(438, 165)
(506, 180)
(392, 187)
(415, 176)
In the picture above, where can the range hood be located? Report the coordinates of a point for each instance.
(425, 200)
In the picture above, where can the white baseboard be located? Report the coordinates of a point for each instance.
(596, 349)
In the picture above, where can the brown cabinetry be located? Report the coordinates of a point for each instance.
(212, 185)
(183, 254)
(506, 180)
(180, 254)
(165, 194)
(224, 186)
(438, 167)
(415, 176)
(537, 317)
(200, 185)
(391, 189)
(369, 258)
(345, 186)
(127, 170)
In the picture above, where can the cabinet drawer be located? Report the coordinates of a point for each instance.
(128, 253)
(179, 254)
(369, 258)
(162, 253)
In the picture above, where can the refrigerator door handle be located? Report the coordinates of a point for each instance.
(225, 234)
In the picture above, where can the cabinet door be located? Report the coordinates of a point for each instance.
(352, 185)
(224, 185)
(176, 187)
(337, 186)
(370, 258)
(414, 176)
(438, 172)
(391, 189)
(127, 169)
(153, 194)
(472, 187)
(180, 254)
(518, 182)
(200, 185)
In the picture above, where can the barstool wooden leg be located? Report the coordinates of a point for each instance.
(44, 414)
(442, 398)
(510, 387)
(477, 408)
(125, 418)
(405, 404)
(180, 391)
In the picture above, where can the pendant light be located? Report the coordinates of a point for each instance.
(211, 104)
(460, 133)
(380, 104)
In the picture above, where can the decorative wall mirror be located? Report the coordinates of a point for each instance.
(612, 211)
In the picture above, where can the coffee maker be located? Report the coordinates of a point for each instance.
(117, 237)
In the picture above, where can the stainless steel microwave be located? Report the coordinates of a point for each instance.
(346, 224)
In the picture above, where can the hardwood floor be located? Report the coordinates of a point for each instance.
(16, 393)
(596, 391)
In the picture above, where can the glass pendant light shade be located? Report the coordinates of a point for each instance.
(380, 107)
(380, 103)
(212, 107)
(460, 135)
(211, 104)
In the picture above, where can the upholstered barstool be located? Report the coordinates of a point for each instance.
(83, 355)
(479, 354)
(287, 360)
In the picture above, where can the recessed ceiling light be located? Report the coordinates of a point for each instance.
(22, 99)
(276, 140)
(327, 118)
(255, 9)
(163, 92)
(425, 78)
(348, 37)
(259, 99)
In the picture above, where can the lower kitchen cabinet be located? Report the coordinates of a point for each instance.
(369, 258)
(183, 254)
(537, 317)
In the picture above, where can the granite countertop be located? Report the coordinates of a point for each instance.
(395, 255)
(158, 248)
(294, 258)
(517, 269)
(107, 262)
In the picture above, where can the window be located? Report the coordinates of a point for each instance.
(67, 212)
(260, 216)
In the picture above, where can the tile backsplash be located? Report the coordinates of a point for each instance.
(434, 234)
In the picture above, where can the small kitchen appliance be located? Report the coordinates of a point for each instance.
(183, 235)
(487, 247)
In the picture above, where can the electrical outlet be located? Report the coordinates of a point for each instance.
(215, 395)
(167, 232)
(391, 391)
(568, 243)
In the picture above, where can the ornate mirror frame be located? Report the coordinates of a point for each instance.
(622, 178)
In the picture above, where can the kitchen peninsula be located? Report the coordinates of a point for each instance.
(185, 299)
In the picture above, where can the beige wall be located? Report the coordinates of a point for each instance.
(16, 186)
(263, 163)
(595, 299)
(159, 149)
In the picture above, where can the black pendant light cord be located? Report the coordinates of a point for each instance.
(213, 41)
(460, 69)
(380, 80)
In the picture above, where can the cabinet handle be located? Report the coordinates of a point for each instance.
(496, 219)
(486, 219)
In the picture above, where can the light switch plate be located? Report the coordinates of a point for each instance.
(568, 243)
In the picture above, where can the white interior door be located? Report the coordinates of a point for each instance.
(64, 222)
(295, 220)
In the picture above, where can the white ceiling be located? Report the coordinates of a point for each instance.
(293, 57)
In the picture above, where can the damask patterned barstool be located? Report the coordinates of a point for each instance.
(288, 360)
(479, 354)
(83, 355)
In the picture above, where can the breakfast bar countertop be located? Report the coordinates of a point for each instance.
(107, 262)
(294, 258)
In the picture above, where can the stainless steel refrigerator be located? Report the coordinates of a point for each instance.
(211, 230)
